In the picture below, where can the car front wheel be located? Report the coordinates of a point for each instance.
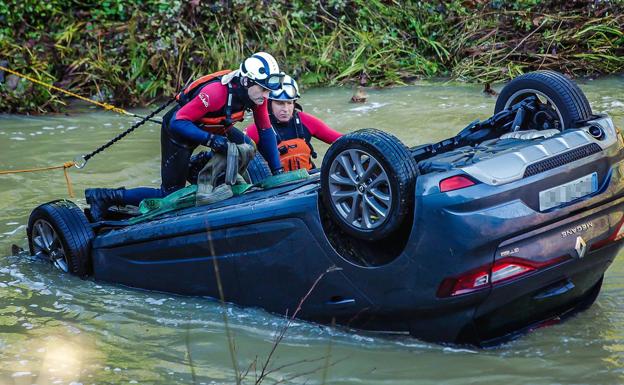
(367, 183)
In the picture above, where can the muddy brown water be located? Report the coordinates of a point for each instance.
(58, 329)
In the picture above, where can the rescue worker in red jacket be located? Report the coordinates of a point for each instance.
(295, 128)
(205, 115)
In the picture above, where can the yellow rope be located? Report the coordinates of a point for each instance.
(103, 105)
(65, 166)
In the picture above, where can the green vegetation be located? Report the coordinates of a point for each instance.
(133, 52)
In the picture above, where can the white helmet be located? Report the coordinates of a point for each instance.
(288, 91)
(262, 69)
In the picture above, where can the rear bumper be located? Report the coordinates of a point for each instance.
(504, 309)
(519, 305)
(496, 315)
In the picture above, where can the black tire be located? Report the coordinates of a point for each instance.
(571, 105)
(343, 192)
(258, 170)
(70, 235)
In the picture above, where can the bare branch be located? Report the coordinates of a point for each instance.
(228, 331)
(280, 335)
(187, 342)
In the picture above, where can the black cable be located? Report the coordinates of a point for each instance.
(129, 130)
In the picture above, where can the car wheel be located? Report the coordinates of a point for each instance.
(60, 232)
(257, 170)
(367, 183)
(564, 104)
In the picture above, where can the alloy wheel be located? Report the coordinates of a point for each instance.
(47, 244)
(360, 189)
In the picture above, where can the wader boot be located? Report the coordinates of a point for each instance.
(100, 199)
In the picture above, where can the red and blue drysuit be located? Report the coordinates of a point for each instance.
(182, 131)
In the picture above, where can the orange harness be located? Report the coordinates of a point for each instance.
(210, 123)
(295, 154)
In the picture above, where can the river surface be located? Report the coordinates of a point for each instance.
(58, 329)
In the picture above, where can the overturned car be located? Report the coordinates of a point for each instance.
(509, 225)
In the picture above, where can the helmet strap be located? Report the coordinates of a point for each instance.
(274, 121)
(241, 93)
(228, 106)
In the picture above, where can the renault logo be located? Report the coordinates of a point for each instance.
(581, 247)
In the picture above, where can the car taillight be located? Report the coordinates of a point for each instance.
(508, 270)
(455, 183)
(616, 236)
(503, 270)
(471, 281)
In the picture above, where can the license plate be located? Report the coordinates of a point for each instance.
(568, 192)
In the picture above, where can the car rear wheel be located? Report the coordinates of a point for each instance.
(367, 183)
(60, 232)
(562, 103)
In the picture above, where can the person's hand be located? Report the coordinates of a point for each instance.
(218, 143)
(196, 164)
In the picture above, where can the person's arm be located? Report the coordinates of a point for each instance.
(267, 140)
(211, 98)
(252, 132)
(318, 128)
(261, 116)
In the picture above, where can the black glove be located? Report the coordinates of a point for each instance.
(197, 162)
(278, 171)
(218, 143)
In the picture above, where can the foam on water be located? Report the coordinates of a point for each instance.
(368, 107)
